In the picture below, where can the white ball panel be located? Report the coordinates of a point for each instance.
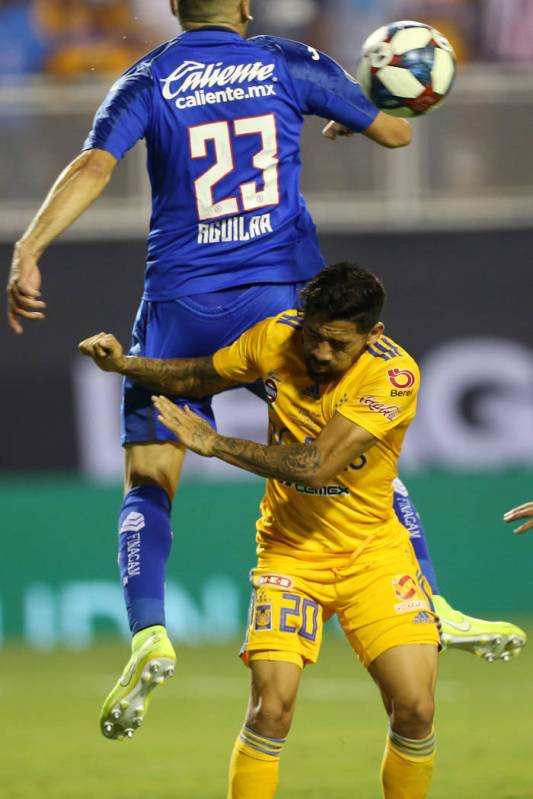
(410, 39)
(441, 40)
(363, 75)
(380, 56)
(442, 72)
(400, 82)
(375, 38)
(407, 23)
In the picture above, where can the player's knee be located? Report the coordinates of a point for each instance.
(138, 477)
(413, 717)
(271, 715)
(153, 465)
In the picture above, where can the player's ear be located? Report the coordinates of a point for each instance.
(245, 11)
(376, 332)
(174, 7)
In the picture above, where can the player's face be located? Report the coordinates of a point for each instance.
(331, 348)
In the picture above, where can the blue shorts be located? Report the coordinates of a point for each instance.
(193, 327)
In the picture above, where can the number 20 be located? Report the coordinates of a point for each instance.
(299, 612)
(266, 160)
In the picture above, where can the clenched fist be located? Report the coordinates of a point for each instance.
(105, 350)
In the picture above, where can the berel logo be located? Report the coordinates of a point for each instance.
(401, 378)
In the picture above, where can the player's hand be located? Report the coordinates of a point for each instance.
(522, 512)
(193, 431)
(105, 350)
(334, 129)
(23, 290)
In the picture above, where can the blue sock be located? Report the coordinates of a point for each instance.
(145, 539)
(410, 518)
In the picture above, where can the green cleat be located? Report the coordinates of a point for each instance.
(491, 640)
(152, 662)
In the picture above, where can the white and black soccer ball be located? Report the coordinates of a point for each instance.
(407, 68)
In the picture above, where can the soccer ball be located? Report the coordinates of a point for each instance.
(407, 68)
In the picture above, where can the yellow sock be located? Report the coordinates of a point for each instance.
(254, 766)
(407, 766)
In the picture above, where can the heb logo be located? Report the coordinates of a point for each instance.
(276, 580)
(401, 378)
(193, 75)
(405, 586)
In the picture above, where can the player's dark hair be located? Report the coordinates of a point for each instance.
(345, 291)
(198, 10)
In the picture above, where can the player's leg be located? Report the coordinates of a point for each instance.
(153, 462)
(410, 518)
(254, 764)
(145, 538)
(406, 676)
(487, 639)
(384, 607)
(284, 633)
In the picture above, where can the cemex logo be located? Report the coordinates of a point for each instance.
(401, 378)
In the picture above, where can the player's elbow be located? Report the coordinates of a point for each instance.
(98, 164)
(318, 478)
(390, 131)
(314, 481)
(400, 135)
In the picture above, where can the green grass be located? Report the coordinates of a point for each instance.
(51, 746)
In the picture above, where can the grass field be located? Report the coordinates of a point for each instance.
(51, 746)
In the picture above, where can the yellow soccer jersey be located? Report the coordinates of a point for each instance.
(378, 393)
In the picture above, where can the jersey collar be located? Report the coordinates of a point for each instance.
(211, 33)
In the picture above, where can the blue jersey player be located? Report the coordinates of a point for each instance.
(230, 243)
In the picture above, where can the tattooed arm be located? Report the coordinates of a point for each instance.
(312, 464)
(293, 463)
(189, 377)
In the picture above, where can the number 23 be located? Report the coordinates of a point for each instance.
(266, 161)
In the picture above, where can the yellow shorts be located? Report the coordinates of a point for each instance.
(382, 600)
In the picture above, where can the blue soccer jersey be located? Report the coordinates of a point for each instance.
(222, 116)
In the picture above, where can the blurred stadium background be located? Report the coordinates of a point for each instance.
(447, 224)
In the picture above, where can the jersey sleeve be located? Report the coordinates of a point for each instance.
(241, 361)
(322, 86)
(125, 114)
(385, 401)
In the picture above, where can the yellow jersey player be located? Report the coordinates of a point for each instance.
(328, 539)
